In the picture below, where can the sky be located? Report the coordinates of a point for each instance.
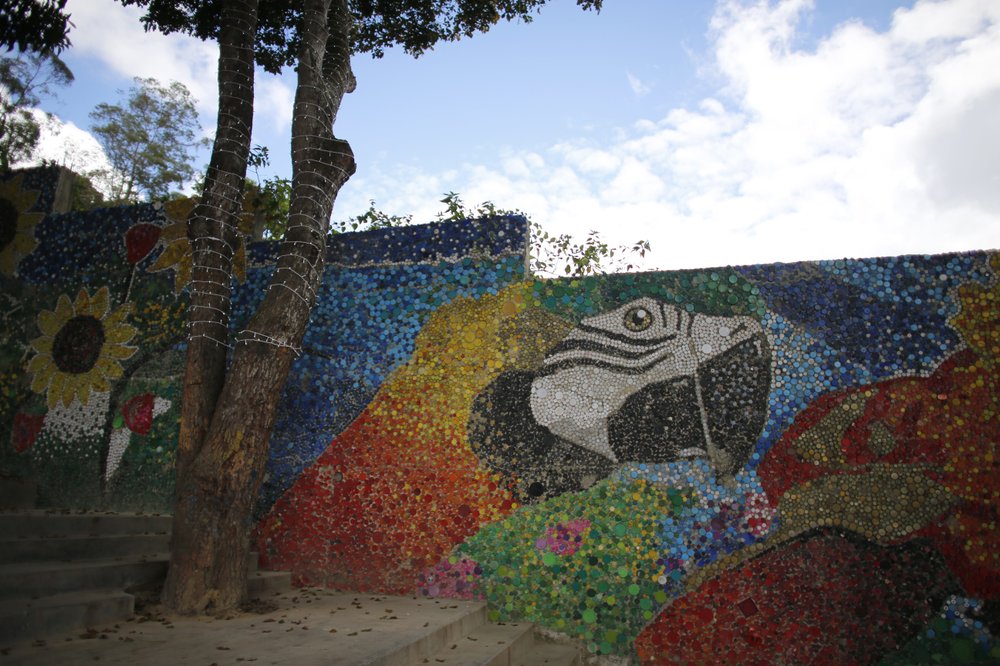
(724, 133)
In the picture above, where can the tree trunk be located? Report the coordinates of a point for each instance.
(212, 233)
(223, 477)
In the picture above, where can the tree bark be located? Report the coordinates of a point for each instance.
(212, 233)
(222, 478)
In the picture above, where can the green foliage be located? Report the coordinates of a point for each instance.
(270, 198)
(371, 219)
(551, 255)
(41, 26)
(415, 25)
(23, 79)
(149, 140)
(83, 194)
(554, 255)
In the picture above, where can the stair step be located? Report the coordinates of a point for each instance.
(36, 549)
(41, 523)
(548, 654)
(394, 650)
(25, 618)
(261, 584)
(45, 578)
(320, 629)
(489, 645)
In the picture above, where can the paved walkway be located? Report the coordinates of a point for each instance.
(305, 627)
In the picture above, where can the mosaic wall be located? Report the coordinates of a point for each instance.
(782, 464)
(92, 346)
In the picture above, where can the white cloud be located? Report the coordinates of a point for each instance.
(867, 143)
(273, 102)
(69, 146)
(114, 35)
(638, 87)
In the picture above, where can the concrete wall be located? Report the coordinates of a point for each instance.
(790, 463)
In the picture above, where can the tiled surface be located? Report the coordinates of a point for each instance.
(629, 460)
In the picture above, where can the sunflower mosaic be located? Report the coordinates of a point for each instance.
(17, 226)
(177, 252)
(80, 349)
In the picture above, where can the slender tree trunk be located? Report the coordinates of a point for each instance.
(212, 232)
(223, 477)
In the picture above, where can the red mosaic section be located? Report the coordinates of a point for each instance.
(823, 600)
(388, 498)
(948, 422)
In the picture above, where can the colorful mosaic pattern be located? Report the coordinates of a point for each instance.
(782, 464)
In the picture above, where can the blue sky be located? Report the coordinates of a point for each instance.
(723, 132)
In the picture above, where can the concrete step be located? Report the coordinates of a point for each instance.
(488, 645)
(25, 579)
(37, 549)
(62, 571)
(262, 584)
(548, 654)
(308, 627)
(33, 619)
(437, 633)
(42, 523)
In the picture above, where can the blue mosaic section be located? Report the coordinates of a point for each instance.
(41, 180)
(368, 313)
(82, 248)
(849, 322)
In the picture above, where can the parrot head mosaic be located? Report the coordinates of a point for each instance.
(777, 464)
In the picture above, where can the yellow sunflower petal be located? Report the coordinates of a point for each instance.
(174, 231)
(119, 333)
(116, 317)
(49, 323)
(39, 361)
(24, 240)
(70, 388)
(172, 254)
(82, 304)
(64, 308)
(240, 262)
(108, 368)
(118, 352)
(43, 375)
(180, 209)
(43, 344)
(182, 275)
(83, 389)
(99, 303)
(7, 262)
(99, 384)
(56, 389)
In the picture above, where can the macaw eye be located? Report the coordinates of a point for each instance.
(638, 319)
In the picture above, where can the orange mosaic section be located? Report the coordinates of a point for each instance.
(397, 490)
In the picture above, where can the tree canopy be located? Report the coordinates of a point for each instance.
(414, 25)
(34, 25)
(149, 140)
(23, 79)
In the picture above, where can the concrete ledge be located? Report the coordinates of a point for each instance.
(26, 618)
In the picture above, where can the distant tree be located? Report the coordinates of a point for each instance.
(230, 400)
(24, 78)
(150, 140)
(83, 194)
(41, 26)
(553, 255)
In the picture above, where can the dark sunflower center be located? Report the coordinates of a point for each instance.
(8, 223)
(77, 345)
